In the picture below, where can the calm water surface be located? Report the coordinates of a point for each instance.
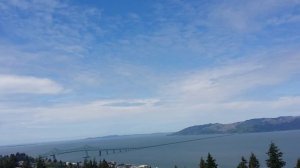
(226, 150)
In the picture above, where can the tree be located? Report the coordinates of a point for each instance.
(275, 157)
(103, 164)
(40, 163)
(243, 163)
(26, 164)
(94, 164)
(100, 164)
(202, 163)
(89, 164)
(253, 161)
(298, 163)
(210, 162)
(61, 164)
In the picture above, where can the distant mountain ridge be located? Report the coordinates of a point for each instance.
(248, 126)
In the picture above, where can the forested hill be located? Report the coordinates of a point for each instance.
(253, 125)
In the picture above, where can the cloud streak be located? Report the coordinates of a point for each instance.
(226, 82)
(12, 84)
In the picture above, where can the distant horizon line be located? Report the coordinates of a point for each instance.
(118, 135)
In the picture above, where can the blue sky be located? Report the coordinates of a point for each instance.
(75, 69)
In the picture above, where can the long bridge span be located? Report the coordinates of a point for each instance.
(106, 151)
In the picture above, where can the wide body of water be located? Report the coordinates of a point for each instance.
(226, 150)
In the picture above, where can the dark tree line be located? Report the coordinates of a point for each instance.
(13, 160)
(24, 161)
(94, 164)
(274, 160)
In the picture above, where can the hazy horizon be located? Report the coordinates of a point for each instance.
(57, 139)
(76, 69)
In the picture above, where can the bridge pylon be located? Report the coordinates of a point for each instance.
(86, 155)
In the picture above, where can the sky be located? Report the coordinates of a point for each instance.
(73, 69)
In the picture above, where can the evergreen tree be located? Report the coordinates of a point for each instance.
(26, 164)
(210, 162)
(243, 163)
(298, 163)
(202, 163)
(13, 160)
(70, 165)
(100, 164)
(94, 164)
(61, 165)
(253, 161)
(40, 163)
(275, 157)
(87, 164)
(105, 164)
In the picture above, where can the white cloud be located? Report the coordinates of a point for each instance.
(289, 18)
(49, 26)
(12, 84)
(202, 94)
(233, 111)
(100, 109)
(247, 16)
(233, 79)
(106, 112)
(143, 112)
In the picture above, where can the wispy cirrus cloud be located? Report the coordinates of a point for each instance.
(167, 115)
(212, 91)
(228, 81)
(248, 16)
(12, 84)
(51, 26)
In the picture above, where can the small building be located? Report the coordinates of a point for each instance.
(20, 163)
(144, 166)
(126, 166)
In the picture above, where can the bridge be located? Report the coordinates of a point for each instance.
(106, 151)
